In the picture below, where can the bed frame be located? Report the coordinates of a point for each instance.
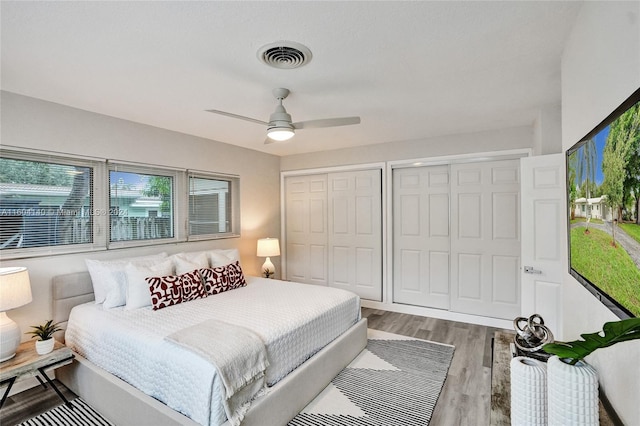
(125, 405)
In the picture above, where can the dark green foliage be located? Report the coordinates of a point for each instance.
(44, 331)
(612, 333)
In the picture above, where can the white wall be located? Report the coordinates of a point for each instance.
(600, 69)
(36, 124)
(547, 130)
(494, 140)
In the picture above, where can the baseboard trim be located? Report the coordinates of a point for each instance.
(438, 313)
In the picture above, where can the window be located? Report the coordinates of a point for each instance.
(52, 204)
(44, 202)
(211, 206)
(141, 204)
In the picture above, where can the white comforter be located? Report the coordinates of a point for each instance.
(293, 320)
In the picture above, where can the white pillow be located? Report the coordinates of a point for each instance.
(117, 296)
(138, 294)
(223, 257)
(218, 259)
(107, 275)
(187, 262)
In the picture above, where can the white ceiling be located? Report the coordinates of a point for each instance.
(411, 70)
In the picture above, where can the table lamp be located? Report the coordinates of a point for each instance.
(268, 247)
(15, 291)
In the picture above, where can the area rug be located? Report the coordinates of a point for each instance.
(395, 381)
(81, 414)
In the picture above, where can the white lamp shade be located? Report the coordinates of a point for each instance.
(15, 288)
(268, 247)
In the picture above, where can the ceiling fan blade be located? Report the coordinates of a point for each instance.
(326, 122)
(241, 117)
(268, 141)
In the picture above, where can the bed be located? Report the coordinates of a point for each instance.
(165, 384)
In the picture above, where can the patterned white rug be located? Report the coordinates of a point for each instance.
(81, 414)
(395, 381)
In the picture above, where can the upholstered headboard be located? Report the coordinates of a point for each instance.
(70, 290)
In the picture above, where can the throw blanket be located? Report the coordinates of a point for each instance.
(239, 356)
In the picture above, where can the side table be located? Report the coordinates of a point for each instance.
(27, 363)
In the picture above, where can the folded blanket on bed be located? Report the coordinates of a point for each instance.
(239, 356)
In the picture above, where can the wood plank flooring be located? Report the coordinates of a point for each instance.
(466, 396)
(465, 399)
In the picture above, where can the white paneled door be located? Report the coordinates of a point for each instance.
(421, 237)
(355, 232)
(306, 228)
(543, 227)
(333, 230)
(485, 238)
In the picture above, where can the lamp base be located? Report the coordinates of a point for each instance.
(268, 270)
(9, 337)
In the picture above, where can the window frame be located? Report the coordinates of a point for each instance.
(234, 195)
(100, 202)
(95, 203)
(116, 166)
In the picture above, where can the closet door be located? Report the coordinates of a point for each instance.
(355, 232)
(306, 228)
(485, 240)
(421, 236)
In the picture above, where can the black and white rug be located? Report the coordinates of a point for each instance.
(81, 414)
(395, 381)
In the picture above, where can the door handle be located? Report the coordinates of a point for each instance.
(531, 270)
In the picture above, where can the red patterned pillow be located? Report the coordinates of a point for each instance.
(171, 290)
(236, 277)
(165, 291)
(223, 278)
(215, 279)
(192, 286)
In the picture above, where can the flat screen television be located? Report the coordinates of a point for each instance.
(603, 195)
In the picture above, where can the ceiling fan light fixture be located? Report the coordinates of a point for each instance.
(280, 134)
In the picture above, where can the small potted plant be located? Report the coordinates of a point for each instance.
(44, 333)
(572, 383)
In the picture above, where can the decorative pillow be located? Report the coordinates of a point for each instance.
(192, 286)
(108, 275)
(137, 288)
(223, 278)
(215, 280)
(165, 291)
(185, 262)
(172, 289)
(236, 277)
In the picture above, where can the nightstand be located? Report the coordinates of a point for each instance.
(27, 363)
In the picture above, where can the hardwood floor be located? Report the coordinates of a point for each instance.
(466, 396)
(465, 399)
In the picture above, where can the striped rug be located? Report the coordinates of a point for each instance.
(81, 414)
(395, 381)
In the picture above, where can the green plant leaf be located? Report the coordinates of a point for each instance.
(44, 331)
(612, 333)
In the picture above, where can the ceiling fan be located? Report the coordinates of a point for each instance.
(280, 126)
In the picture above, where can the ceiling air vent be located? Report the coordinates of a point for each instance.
(284, 54)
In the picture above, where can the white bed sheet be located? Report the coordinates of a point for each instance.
(294, 320)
